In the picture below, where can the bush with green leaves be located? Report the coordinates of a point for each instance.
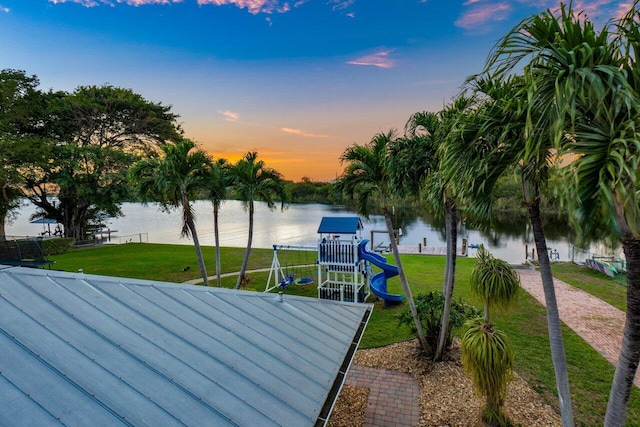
(429, 307)
(57, 246)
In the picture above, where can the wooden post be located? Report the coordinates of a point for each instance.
(419, 248)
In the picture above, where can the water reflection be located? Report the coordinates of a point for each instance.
(298, 225)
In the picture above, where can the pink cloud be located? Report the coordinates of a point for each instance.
(302, 133)
(480, 15)
(229, 115)
(380, 59)
(253, 6)
(623, 8)
(94, 3)
(341, 4)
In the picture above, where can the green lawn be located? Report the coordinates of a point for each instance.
(590, 374)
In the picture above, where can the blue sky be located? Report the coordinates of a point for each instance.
(296, 80)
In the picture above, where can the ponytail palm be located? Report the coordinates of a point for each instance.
(487, 356)
(486, 352)
(172, 180)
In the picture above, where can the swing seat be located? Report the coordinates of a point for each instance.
(304, 281)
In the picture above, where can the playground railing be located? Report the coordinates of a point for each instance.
(337, 252)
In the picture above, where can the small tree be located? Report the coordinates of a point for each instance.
(486, 352)
(430, 307)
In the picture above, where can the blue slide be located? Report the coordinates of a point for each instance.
(378, 282)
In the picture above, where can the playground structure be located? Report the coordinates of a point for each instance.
(295, 272)
(378, 282)
(344, 265)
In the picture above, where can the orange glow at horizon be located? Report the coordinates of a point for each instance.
(325, 167)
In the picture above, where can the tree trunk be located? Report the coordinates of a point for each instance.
(630, 350)
(2, 228)
(558, 355)
(403, 280)
(450, 276)
(245, 261)
(196, 243)
(216, 235)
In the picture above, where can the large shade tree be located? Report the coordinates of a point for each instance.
(368, 175)
(19, 103)
(76, 147)
(173, 180)
(253, 181)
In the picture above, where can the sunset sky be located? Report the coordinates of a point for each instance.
(296, 80)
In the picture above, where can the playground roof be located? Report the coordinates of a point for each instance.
(89, 350)
(340, 225)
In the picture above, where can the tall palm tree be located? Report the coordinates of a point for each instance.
(605, 144)
(367, 174)
(172, 180)
(252, 180)
(217, 184)
(416, 170)
(583, 89)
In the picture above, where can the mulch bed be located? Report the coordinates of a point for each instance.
(447, 397)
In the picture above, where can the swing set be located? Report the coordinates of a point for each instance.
(299, 265)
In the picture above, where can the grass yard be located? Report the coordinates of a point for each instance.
(590, 374)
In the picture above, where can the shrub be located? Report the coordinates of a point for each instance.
(57, 246)
(429, 307)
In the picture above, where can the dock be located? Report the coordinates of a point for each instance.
(426, 250)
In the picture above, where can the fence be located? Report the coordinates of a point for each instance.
(134, 238)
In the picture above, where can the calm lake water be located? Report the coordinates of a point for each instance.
(298, 225)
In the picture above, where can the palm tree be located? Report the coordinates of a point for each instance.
(367, 174)
(606, 179)
(173, 180)
(218, 181)
(416, 166)
(582, 88)
(486, 351)
(253, 180)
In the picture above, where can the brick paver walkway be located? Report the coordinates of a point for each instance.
(394, 397)
(598, 323)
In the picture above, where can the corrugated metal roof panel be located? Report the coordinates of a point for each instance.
(340, 225)
(99, 350)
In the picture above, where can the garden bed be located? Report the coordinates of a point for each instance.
(447, 396)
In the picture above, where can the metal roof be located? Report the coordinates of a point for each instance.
(340, 225)
(91, 350)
